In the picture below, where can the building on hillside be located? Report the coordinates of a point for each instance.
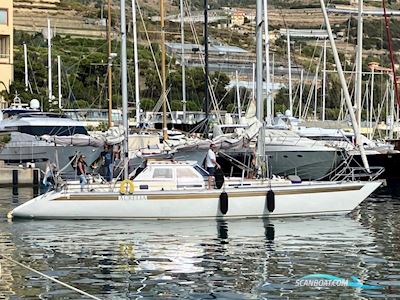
(227, 59)
(250, 15)
(223, 58)
(6, 44)
(355, 2)
(238, 18)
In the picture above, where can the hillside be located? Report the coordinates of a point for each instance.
(83, 17)
(74, 17)
(81, 43)
(31, 16)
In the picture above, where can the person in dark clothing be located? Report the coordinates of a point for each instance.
(107, 156)
(81, 171)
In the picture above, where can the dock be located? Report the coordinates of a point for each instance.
(12, 176)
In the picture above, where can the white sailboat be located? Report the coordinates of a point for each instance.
(176, 190)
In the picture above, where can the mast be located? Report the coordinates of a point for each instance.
(290, 72)
(391, 109)
(267, 65)
(371, 108)
(344, 87)
(301, 92)
(238, 97)
(59, 80)
(388, 94)
(109, 67)
(124, 88)
(26, 67)
(259, 86)
(259, 64)
(324, 83)
(316, 91)
(183, 60)
(253, 77)
(163, 73)
(358, 91)
(273, 84)
(136, 62)
(207, 94)
(49, 61)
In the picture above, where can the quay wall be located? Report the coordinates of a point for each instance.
(18, 176)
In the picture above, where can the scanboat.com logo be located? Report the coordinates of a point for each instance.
(319, 280)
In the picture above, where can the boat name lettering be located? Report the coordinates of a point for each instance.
(132, 197)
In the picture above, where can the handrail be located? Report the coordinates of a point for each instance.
(353, 173)
(361, 172)
(240, 165)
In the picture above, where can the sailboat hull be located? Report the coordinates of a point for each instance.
(292, 200)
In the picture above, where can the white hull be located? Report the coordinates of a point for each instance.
(290, 200)
(38, 152)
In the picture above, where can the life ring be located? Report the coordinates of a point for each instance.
(126, 187)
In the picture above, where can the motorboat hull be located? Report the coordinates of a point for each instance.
(290, 200)
(38, 152)
(307, 164)
(391, 164)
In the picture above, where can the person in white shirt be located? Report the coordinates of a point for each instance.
(211, 163)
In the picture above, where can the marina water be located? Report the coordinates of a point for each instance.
(207, 259)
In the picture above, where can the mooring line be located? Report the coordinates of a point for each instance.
(49, 277)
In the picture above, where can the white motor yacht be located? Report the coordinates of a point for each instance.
(37, 136)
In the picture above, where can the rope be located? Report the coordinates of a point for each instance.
(68, 164)
(50, 278)
(149, 42)
(213, 97)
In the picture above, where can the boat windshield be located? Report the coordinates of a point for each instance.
(52, 130)
(199, 169)
(8, 113)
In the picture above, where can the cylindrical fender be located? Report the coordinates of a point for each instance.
(270, 201)
(126, 187)
(219, 178)
(223, 203)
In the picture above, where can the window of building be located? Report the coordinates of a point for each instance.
(4, 46)
(3, 17)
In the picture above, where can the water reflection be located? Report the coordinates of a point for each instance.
(206, 259)
(269, 230)
(222, 228)
(105, 257)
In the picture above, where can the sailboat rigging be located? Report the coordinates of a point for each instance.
(109, 67)
(171, 189)
(124, 88)
(389, 37)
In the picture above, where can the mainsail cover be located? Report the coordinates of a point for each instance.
(74, 140)
(96, 139)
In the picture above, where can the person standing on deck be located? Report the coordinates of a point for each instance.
(107, 155)
(211, 163)
(81, 171)
(49, 174)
